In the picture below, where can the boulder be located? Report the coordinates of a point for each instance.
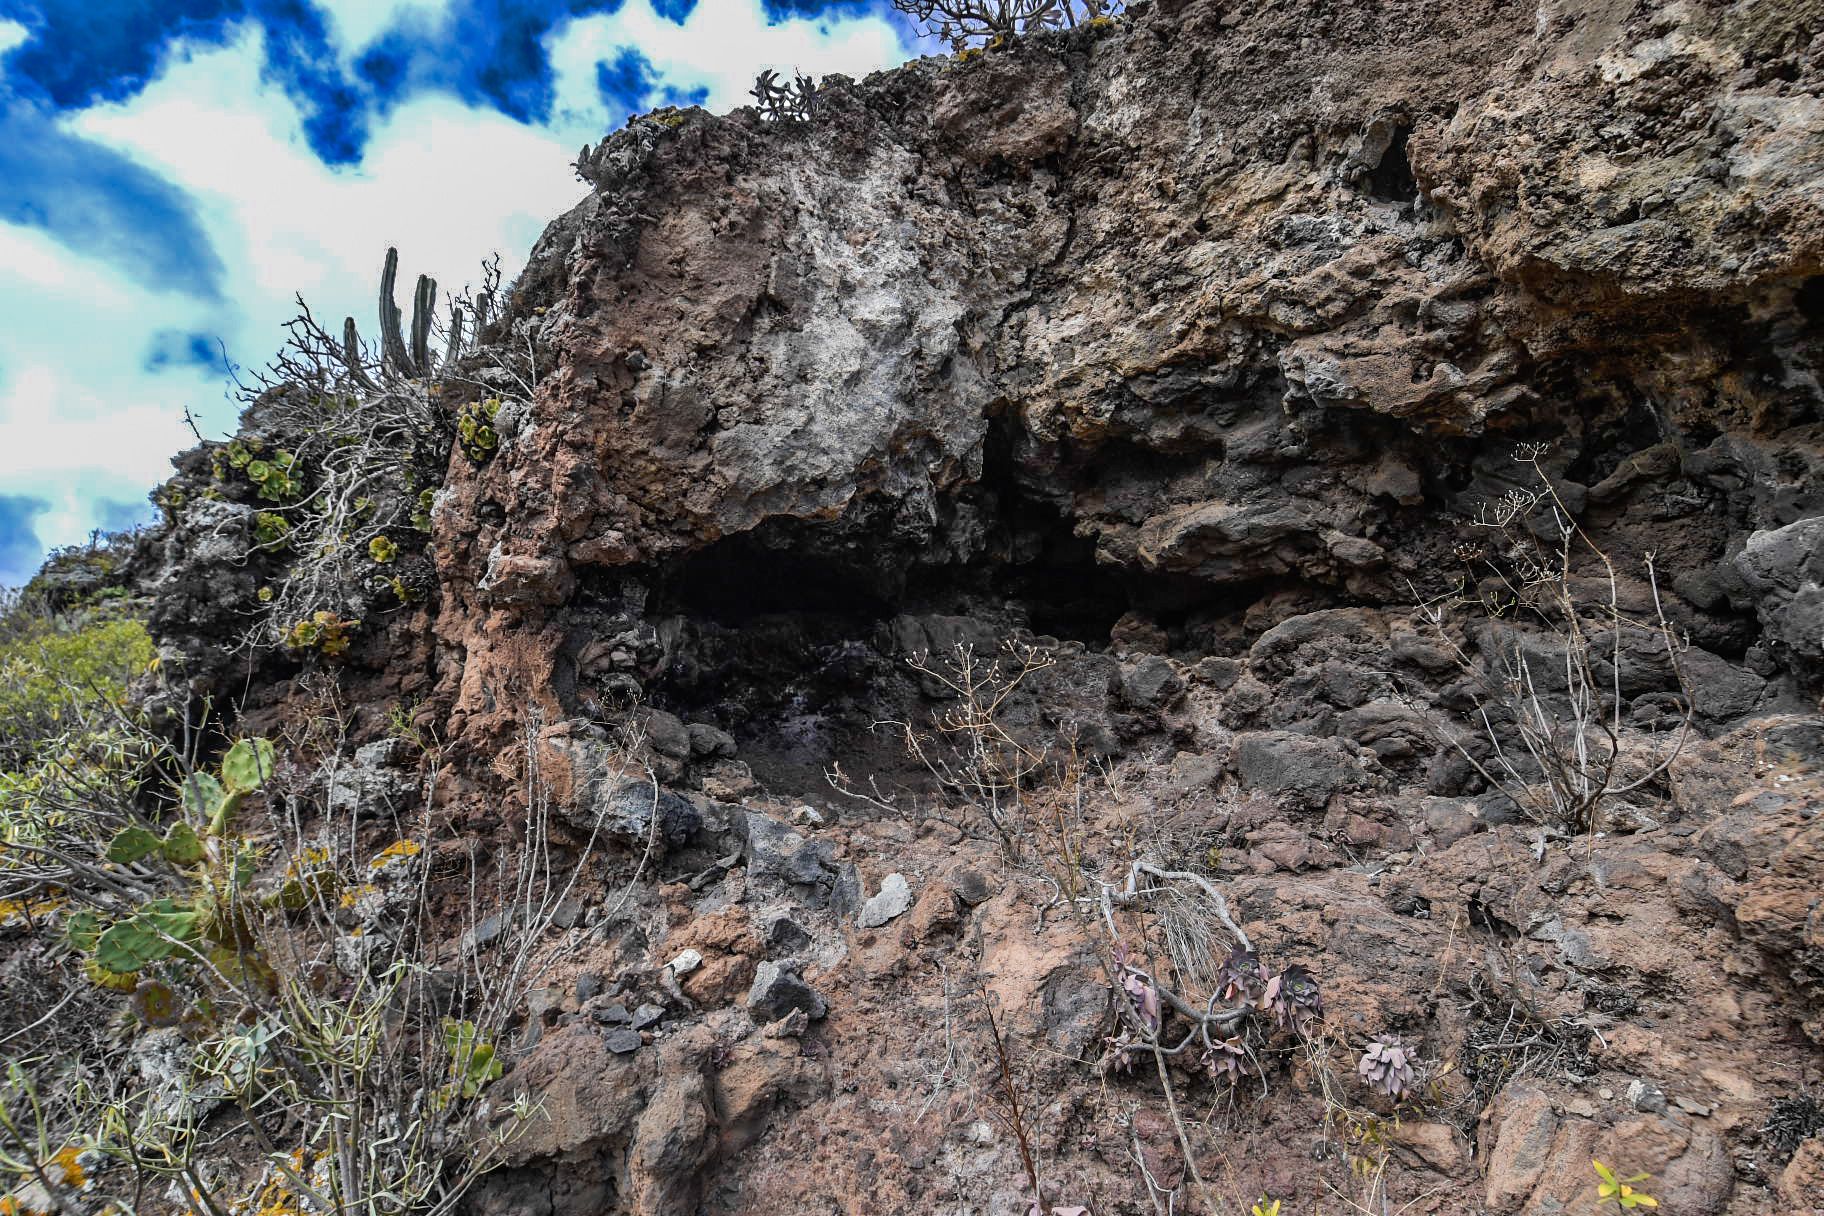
(1302, 769)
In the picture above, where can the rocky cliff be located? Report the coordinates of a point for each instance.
(1185, 351)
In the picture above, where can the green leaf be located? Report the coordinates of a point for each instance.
(172, 919)
(83, 928)
(131, 844)
(128, 946)
(181, 846)
(247, 765)
(201, 794)
(476, 1062)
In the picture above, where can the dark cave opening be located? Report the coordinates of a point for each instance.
(1392, 180)
(1809, 299)
(743, 578)
(795, 637)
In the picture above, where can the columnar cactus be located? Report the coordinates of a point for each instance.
(413, 358)
(424, 306)
(454, 347)
(351, 354)
(393, 352)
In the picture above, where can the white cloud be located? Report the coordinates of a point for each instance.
(84, 423)
(722, 45)
(88, 422)
(11, 35)
(359, 22)
(446, 184)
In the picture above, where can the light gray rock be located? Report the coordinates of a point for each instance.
(892, 900)
(1785, 569)
(617, 809)
(781, 861)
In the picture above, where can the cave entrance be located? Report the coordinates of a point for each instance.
(790, 637)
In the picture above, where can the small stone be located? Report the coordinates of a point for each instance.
(980, 1132)
(588, 986)
(727, 780)
(1217, 672)
(622, 1042)
(785, 935)
(568, 914)
(809, 816)
(894, 897)
(541, 1001)
(612, 1015)
(489, 930)
(1693, 1108)
(941, 833)
(778, 989)
(790, 1026)
(1645, 1096)
(647, 1015)
(971, 886)
(1606, 1094)
(667, 734)
(1152, 684)
(686, 962)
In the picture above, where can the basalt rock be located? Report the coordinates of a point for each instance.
(1162, 317)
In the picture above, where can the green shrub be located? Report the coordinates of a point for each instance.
(54, 674)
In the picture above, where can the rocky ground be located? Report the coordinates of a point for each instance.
(1184, 350)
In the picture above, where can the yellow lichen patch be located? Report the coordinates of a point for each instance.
(354, 895)
(308, 859)
(25, 911)
(395, 851)
(279, 1194)
(65, 1167)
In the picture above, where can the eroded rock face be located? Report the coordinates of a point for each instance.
(1176, 311)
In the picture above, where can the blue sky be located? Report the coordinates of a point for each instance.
(171, 174)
